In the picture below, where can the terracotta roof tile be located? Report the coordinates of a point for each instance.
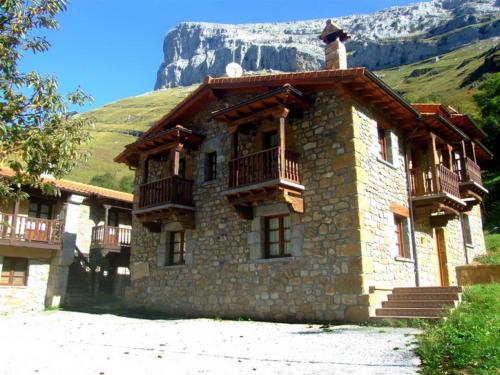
(80, 188)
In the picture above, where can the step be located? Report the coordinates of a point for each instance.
(428, 289)
(391, 312)
(385, 318)
(419, 304)
(425, 296)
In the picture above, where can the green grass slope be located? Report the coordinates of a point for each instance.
(117, 124)
(442, 80)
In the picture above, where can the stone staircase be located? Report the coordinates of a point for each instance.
(419, 303)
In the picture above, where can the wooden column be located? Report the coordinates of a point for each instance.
(434, 160)
(463, 161)
(473, 149)
(106, 222)
(282, 144)
(450, 156)
(175, 157)
(15, 212)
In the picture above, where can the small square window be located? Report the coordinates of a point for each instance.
(177, 248)
(277, 236)
(14, 271)
(211, 166)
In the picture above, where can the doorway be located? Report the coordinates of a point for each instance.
(441, 256)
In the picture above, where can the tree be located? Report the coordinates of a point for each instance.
(105, 180)
(37, 134)
(488, 100)
(127, 184)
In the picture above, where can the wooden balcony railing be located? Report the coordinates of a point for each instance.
(30, 229)
(423, 181)
(108, 237)
(471, 172)
(173, 189)
(263, 166)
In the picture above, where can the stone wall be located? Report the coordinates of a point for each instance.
(30, 297)
(225, 273)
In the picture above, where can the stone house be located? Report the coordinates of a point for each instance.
(44, 237)
(301, 196)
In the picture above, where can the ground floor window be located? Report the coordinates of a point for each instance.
(400, 234)
(177, 248)
(14, 271)
(467, 230)
(277, 236)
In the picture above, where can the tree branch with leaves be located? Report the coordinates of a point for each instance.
(37, 133)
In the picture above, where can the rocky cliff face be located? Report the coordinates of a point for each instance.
(392, 37)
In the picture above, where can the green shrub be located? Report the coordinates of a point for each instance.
(492, 255)
(467, 342)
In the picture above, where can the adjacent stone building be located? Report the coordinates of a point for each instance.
(301, 196)
(42, 238)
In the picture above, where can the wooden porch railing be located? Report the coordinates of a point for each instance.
(173, 189)
(263, 166)
(30, 229)
(108, 236)
(423, 182)
(471, 172)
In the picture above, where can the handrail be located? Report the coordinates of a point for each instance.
(83, 259)
(110, 236)
(263, 166)
(172, 189)
(24, 228)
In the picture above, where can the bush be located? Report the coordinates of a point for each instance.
(468, 341)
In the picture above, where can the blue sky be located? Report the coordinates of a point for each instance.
(113, 48)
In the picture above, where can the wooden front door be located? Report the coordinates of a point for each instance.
(442, 259)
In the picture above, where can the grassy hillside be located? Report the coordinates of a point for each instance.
(441, 81)
(117, 124)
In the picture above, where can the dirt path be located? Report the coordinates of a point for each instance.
(76, 343)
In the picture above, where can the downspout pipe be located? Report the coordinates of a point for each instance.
(410, 206)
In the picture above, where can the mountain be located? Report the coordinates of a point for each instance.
(386, 39)
(451, 78)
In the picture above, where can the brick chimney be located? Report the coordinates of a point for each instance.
(335, 53)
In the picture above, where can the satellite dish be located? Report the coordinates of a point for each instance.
(234, 70)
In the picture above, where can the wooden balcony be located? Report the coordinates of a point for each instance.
(436, 190)
(110, 239)
(259, 176)
(471, 182)
(168, 199)
(25, 231)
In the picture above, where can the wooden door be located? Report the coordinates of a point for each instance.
(442, 259)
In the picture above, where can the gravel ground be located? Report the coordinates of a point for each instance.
(76, 343)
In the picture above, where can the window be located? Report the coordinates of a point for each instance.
(467, 230)
(14, 271)
(277, 236)
(210, 166)
(176, 248)
(270, 139)
(382, 141)
(40, 209)
(399, 230)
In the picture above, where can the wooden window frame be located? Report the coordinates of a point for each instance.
(39, 202)
(11, 276)
(400, 238)
(282, 242)
(467, 231)
(382, 142)
(182, 249)
(211, 166)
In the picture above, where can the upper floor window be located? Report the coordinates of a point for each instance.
(277, 236)
(40, 209)
(382, 142)
(14, 271)
(177, 248)
(270, 139)
(211, 166)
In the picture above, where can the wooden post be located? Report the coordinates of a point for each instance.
(15, 212)
(450, 156)
(175, 157)
(473, 149)
(434, 162)
(282, 143)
